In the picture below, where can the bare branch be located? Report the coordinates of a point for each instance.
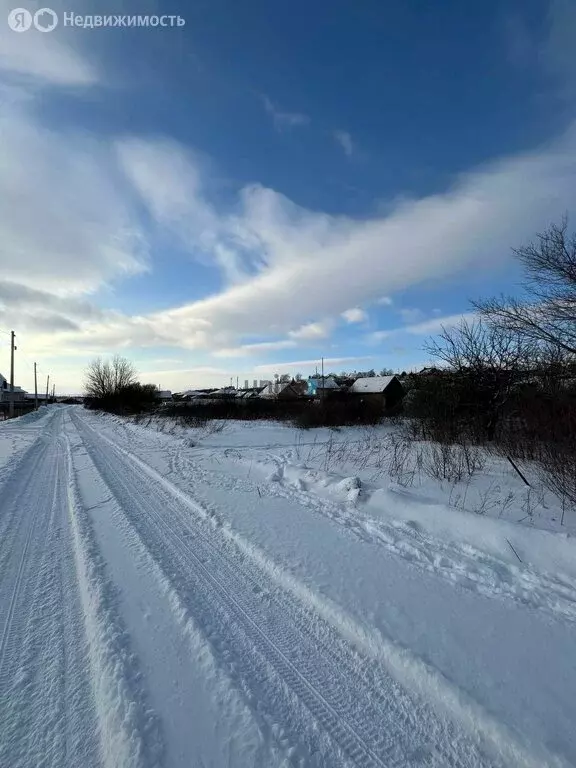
(550, 317)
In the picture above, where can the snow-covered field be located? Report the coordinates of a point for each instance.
(259, 596)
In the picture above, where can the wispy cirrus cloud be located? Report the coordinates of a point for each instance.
(311, 364)
(345, 142)
(428, 327)
(247, 350)
(282, 119)
(411, 315)
(437, 324)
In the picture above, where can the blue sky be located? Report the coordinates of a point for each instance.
(273, 183)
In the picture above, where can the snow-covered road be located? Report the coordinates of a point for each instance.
(152, 614)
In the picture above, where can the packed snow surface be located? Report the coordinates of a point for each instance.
(234, 598)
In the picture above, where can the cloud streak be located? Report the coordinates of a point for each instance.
(345, 142)
(283, 120)
(294, 364)
(288, 249)
(425, 328)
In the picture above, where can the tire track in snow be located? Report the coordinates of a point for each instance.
(371, 720)
(130, 735)
(21, 508)
(214, 597)
(69, 695)
(38, 671)
(18, 473)
(205, 719)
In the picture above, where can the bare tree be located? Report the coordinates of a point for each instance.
(107, 378)
(97, 382)
(483, 362)
(123, 372)
(478, 347)
(550, 315)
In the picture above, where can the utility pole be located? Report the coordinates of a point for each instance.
(322, 382)
(35, 389)
(53, 392)
(12, 348)
(47, 385)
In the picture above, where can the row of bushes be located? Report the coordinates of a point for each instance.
(302, 413)
(125, 400)
(532, 420)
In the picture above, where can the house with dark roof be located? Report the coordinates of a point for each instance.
(384, 391)
(285, 390)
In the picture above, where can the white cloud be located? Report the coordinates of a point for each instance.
(197, 370)
(66, 228)
(281, 119)
(344, 139)
(411, 315)
(355, 315)
(41, 58)
(384, 301)
(168, 180)
(377, 336)
(438, 323)
(426, 328)
(181, 379)
(294, 364)
(246, 350)
(297, 263)
(471, 227)
(311, 331)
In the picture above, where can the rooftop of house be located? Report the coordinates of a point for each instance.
(324, 382)
(372, 384)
